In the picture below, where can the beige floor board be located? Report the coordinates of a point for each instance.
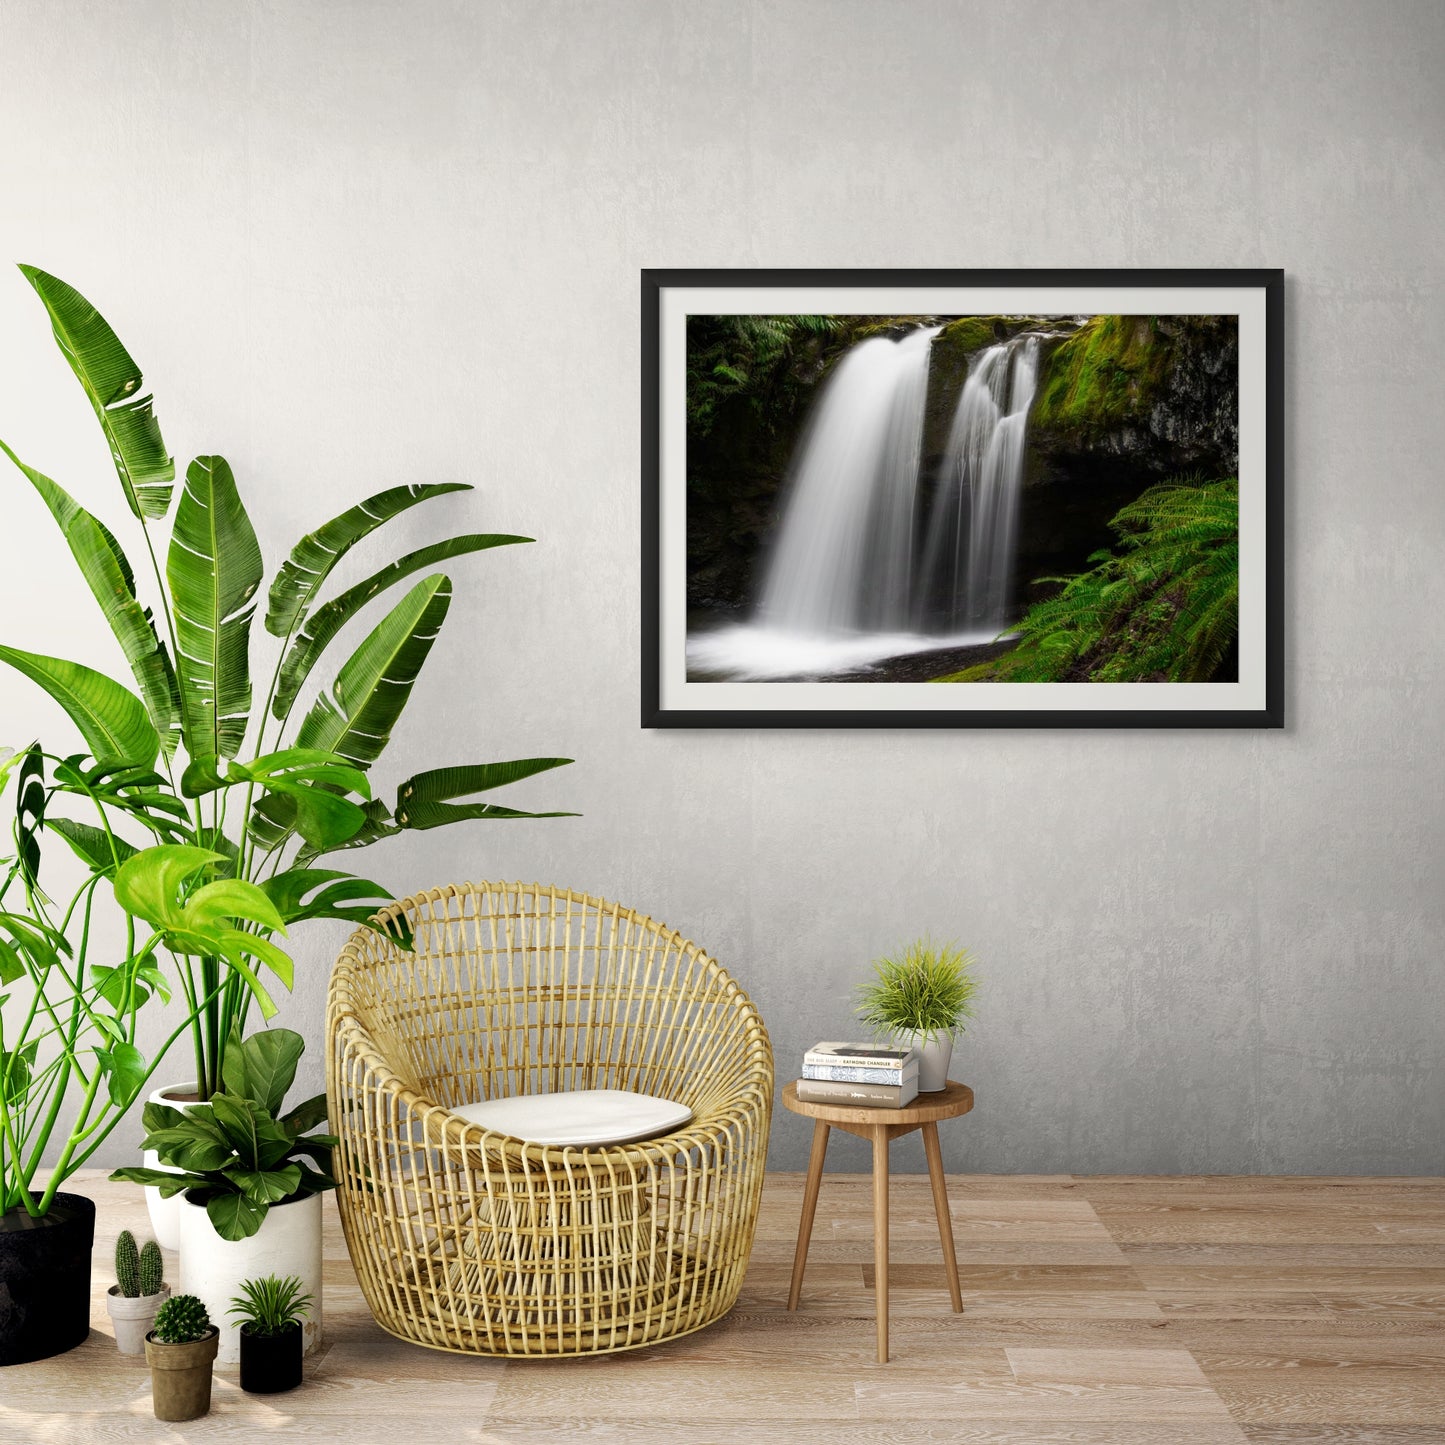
(1373, 1253)
(499, 1431)
(680, 1392)
(1337, 1434)
(1033, 1365)
(1251, 1279)
(1365, 1396)
(904, 1394)
(1030, 1277)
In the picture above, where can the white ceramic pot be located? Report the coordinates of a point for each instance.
(933, 1059)
(165, 1213)
(288, 1242)
(132, 1317)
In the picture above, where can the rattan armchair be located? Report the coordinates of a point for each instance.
(468, 1240)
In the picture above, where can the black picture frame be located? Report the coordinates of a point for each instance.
(1265, 712)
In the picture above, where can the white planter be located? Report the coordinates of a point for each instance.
(132, 1316)
(212, 1268)
(933, 1059)
(165, 1213)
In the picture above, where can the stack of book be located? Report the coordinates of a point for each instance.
(859, 1074)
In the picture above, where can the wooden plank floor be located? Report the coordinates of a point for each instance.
(1178, 1311)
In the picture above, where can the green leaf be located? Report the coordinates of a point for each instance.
(421, 801)
(304, 1116)
(15, 1070)
(101, 851)
(229, 898)
(267, 1186)
(356, 717)
(112, 582)
(328, 619)
(263, 1066)
(234, 1216)
(114, 384)
(161, 1179)
(313, 557)
(124, 1067)
(330, 894)
(112, 720)
(214, 570)
(147, 884)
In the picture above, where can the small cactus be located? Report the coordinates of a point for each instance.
(127, 1265)
(181, 1320)
(152, 1268)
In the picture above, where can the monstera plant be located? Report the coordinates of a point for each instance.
(184, 757)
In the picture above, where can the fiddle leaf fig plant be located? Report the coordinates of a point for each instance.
(185, 756)
(243, 1155)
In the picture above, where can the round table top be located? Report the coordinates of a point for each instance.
(946, 1103)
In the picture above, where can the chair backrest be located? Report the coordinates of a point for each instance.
(522, 989)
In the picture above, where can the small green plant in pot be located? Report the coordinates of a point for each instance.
(922, 996)
(251, 1175)
(181, 1350)
(138, 1292)
(270, 1311)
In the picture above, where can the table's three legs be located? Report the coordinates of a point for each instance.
(880, 1136)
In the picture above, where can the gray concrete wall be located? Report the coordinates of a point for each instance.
(361, 244)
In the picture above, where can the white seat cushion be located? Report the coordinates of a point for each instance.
(580, 1117)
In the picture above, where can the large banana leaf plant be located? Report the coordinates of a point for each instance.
(184, 756)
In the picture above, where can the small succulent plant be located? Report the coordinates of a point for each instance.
(181, 1320)
(271, 1305)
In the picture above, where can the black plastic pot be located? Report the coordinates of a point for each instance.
(270, 1363)
(45, 1279)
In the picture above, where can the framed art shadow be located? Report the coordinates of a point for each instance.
(962, 499)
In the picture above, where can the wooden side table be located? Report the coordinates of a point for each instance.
(881, 1126)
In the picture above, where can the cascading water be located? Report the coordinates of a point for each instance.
(968, 553)
(844, 555)
(843, 587)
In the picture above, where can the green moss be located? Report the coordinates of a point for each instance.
(1105, 374)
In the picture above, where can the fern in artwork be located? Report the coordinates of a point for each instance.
(1162, 606)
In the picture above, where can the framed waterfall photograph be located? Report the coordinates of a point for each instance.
(962, 498)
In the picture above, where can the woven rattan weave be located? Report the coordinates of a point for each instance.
(473, 1241)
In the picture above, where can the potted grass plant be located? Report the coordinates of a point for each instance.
(138, 1292)
(922, 996)
(181, 1351)
(251, 1177)
(271, 790)
(270, 1311)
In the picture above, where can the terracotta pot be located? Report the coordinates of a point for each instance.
(181, 1376)
(270, 1363)
(133, 1316)
(45, 1279)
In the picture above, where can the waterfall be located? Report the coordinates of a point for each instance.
(843, 561)
(968, 553)
(846, 585)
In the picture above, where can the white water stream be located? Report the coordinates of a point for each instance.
(843, 587)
